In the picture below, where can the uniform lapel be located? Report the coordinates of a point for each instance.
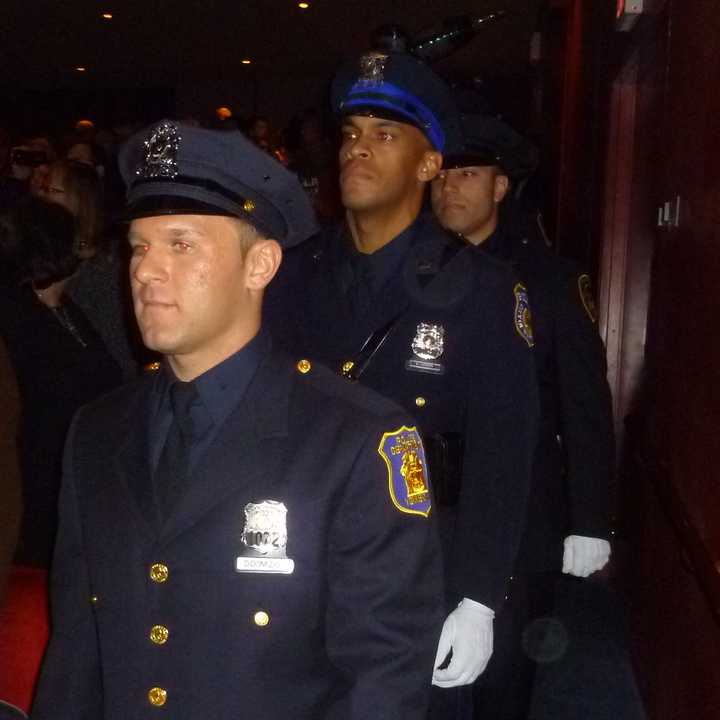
(247, 453)
(438, 273)
(130, 462)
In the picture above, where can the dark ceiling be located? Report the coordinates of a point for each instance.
(197, 43)
(161, 42)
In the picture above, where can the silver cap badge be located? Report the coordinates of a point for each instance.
(161, 148)
(372, 68)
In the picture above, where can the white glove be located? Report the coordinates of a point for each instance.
(468, 630)
(584, 555)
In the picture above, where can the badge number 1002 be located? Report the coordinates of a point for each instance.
(257, 539)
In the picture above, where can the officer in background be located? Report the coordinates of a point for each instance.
(242, 534)
(392, 301)
(568, 517)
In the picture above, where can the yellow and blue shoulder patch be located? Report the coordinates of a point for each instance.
(523, 318)
(586, 295)
(408, 482)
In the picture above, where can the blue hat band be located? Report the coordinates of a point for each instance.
(388, 96)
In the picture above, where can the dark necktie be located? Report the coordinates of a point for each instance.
(173, 467)
(362, 288)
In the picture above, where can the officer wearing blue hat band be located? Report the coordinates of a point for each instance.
(398, 86)
(241, 531)
(392, 301)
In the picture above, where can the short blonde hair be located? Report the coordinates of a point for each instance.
(247, 234)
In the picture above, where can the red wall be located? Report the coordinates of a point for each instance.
(639, 125)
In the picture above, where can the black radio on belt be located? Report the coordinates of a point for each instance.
(444, 453)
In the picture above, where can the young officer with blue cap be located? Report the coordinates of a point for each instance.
(392, 301)
(242, 533)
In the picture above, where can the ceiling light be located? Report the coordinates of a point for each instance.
(80, 68)
(246, 61)
(107, 16)
(303, 5)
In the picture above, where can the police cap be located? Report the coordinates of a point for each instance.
(486, 140)
(398, 86)
(173, 169)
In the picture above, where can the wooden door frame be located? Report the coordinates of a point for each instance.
(615, 238)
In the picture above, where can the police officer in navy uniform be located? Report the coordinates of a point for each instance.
(242, 533)
(568, 518)
(392, 301)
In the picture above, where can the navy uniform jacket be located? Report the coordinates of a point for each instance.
(573, 463)
(158, 623)
(487, 394)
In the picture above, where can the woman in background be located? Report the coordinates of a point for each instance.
(60, 363)
(100, 285)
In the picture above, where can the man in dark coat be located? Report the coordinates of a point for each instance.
(242, 534)
(568, 517)
(392, 301)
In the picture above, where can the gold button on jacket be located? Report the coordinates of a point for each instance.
(159, 634)
(159, 572)
(261, 618)
(157, 696)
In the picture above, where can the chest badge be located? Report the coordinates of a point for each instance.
(264, 538)
(428, 346)
(404, 454)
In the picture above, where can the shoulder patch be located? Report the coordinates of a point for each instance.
(586, 296)
(523, 318)
(404, 454)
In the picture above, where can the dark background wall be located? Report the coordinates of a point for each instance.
(192, 50)
(636, 136)
(659, 317)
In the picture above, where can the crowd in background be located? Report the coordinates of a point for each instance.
(66, 328)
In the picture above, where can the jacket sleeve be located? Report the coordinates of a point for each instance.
(69, 685)
(385, 607)
(10, 485)
(585, 407)
(500, 435)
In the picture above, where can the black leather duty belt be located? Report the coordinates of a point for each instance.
(444, 453)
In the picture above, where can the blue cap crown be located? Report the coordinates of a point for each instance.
(175, 169)
(400, 87)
